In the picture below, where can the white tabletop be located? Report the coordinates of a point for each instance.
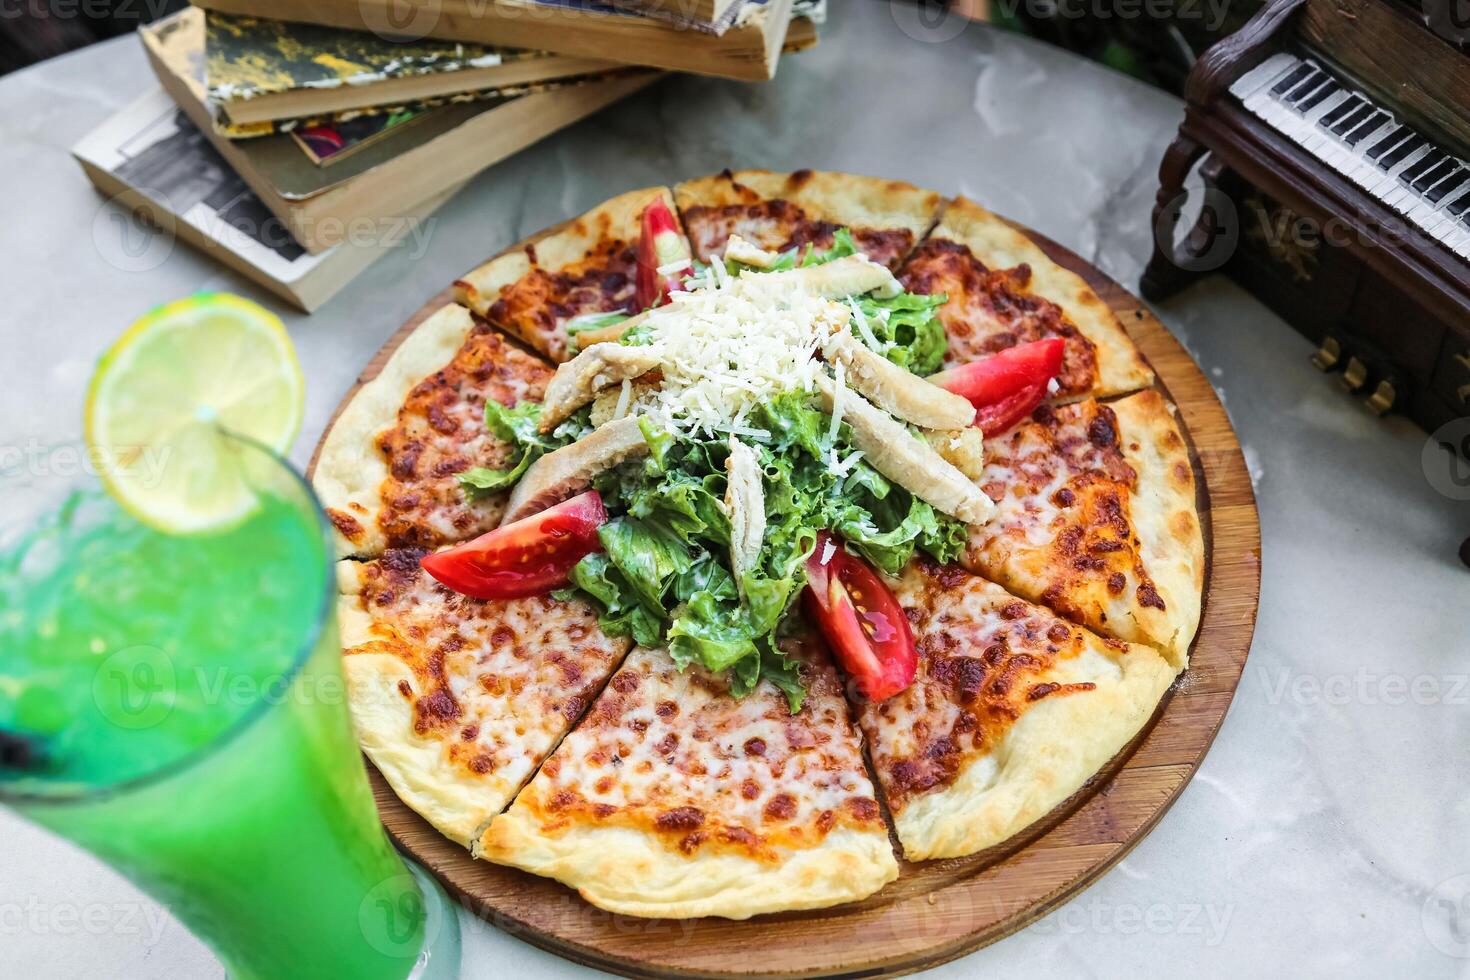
(1328, 831)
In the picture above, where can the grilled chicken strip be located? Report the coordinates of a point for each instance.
(910, 462)
(579, 380)
(965, 448)
(893, 389)
(739, 250)
(745, 505)
(609, 335)
(851, 275)
(560, 474)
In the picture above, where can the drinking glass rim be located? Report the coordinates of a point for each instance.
(92, 794)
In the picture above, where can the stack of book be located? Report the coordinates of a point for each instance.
(298, 152)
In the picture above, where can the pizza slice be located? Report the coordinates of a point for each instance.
(672, 798)
(387, 467)
(1095, 518)
(587, 266)
(1004, 291)
(777, 211)
(1012, 710)
(458, 700)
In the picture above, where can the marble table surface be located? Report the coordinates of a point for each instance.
(1328, 831)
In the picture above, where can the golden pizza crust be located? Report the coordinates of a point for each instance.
(849, 200)
(1046, 756)
(1012, 711)
(1167, 524)
(674, 799)
(618, 218)
(431, 767)
(350, 470)
(625, 871)
(1120, 366)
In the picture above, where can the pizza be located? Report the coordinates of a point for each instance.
(1002, 290)
(1013, 708)
(779, 211)
(458, 701)
(674, 799)
(1095, 518)
(673, 572)
(386, 471)
(588, 267)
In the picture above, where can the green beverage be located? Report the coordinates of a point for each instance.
(175, 704)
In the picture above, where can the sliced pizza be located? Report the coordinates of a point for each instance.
(458, 700)
(777, 211)
(386, 471)
(1004, 291)
(673, 798)
(588, 266)
(1011, 711)
(1095, 518)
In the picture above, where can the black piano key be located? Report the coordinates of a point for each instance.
(1422, 166)
(1365, 128)
(1304, 89)
(1454, 182)
(1349, 122)
(1326, 90)
(1298, 73)
(1347, 105)
(1459, 205)
(1402, 152)
(1378, 149)
(1434, 175)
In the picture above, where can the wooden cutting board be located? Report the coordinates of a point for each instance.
(936, 910)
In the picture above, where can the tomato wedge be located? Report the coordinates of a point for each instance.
(660, 246)
(529, 557)
(861, 620)
(1006, 387)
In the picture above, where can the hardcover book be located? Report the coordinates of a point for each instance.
(259, 70)
(157, 165)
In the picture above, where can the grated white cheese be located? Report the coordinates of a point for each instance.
(828, 550)
(624, 396)
(731, 343)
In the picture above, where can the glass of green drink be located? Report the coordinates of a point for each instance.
(174, 704)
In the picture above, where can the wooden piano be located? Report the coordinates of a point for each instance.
(1333, 137)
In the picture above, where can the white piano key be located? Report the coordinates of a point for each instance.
(1264, 75)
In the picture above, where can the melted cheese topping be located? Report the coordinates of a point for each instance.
(985, 658)
(440, 431)
(675, 755)
(990, 310)
(1063, 532)
(497, 682)
(731, 343)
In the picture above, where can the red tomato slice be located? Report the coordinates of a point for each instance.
(1006, 387)
(861, 620)
(529, 557)
(659, 245)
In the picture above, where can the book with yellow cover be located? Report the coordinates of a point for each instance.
(259, 70)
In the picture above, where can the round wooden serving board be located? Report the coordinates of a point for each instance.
(936, 910)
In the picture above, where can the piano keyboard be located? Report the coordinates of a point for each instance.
(1365, 143)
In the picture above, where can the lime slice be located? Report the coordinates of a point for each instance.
(165, 393)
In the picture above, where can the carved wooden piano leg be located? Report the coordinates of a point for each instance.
(1165, 275)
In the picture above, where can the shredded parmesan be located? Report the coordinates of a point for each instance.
(731, 343)
(624, 396)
